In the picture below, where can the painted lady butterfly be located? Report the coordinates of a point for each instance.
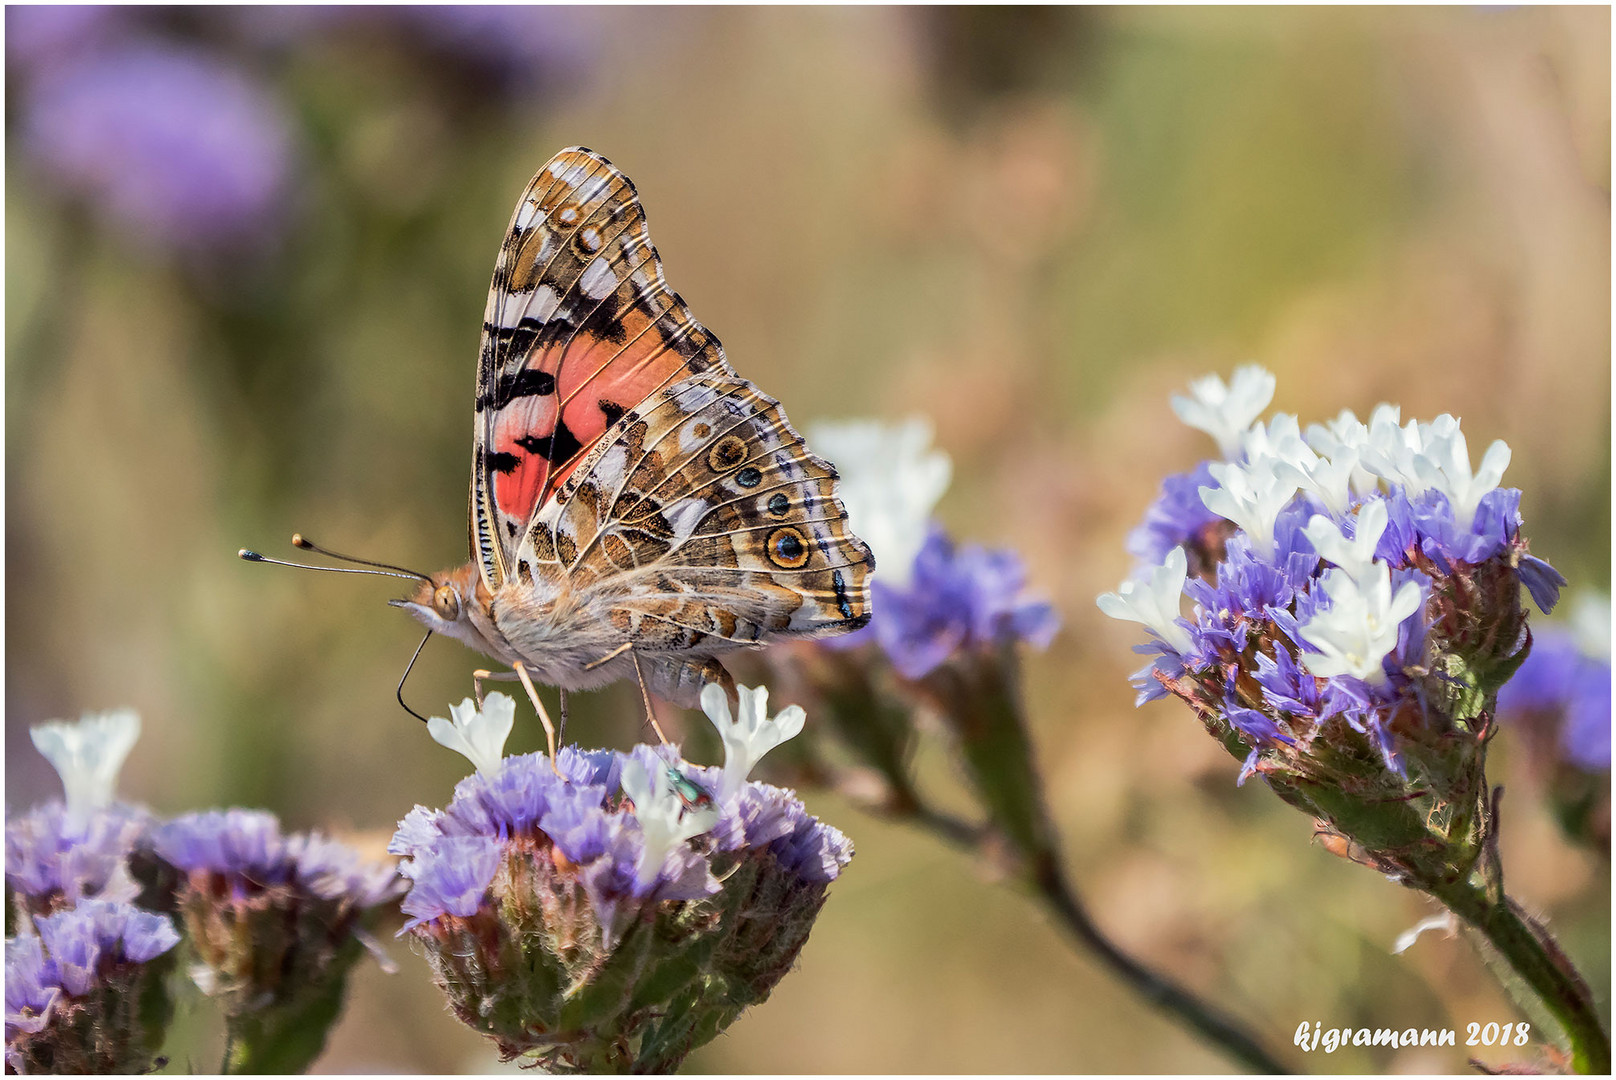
(637, 508)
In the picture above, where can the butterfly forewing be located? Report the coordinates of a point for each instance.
(580, 328)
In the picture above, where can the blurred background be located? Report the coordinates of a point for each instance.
(247, 252)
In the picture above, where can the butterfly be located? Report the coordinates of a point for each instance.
(638, 509)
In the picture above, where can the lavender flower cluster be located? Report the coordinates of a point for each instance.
(1359, 576)
(603, 869)
(96, 883)
(80, 986)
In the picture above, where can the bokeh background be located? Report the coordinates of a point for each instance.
(247, 252)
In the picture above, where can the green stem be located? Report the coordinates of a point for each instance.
(985, 712)
(287, 1037)
(1157, 989)
(1533, 955)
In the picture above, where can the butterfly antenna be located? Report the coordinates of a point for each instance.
(384, 569)
(406, 675)
(301, 541)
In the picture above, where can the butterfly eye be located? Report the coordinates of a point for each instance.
(446, 603)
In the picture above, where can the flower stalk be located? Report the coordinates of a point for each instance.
(979, 695)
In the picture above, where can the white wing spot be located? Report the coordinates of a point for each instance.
(542, 305)
(557, 167)
(685, 517)
(525, 213)
(598, 281)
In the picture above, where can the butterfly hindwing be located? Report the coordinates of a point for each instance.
(703, 516)
(580, 328)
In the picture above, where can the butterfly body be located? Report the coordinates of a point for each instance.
(636, 505)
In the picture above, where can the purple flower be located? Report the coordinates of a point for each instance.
(172, 144)
(958, 598)
(243, 843)
(1542, 581)
(814, 851)
(52, 852)
(32, 986)
(576, 824)
(247, 849)
(450, 876)
(82, 941)
(83, 994)
(1559, 682)
(42, 35)
(708, 895)
(1177, 518)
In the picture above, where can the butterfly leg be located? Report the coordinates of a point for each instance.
(650, 713)
(544, 717)
(561, 724)
(480, 674)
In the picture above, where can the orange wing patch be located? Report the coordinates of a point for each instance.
(580, 328)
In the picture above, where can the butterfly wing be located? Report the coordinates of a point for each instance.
(580, 327)
(701, 523)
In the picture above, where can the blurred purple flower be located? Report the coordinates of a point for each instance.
(82, 993)
(82, 940)
(53, 853)
(1558, 679)
(39, 36)
(173, 144)
(248, 851)
(32, 986)
(959, 598)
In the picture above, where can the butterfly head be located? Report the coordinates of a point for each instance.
(454, 602)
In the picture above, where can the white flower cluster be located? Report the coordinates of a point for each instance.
(1337, 463)
(891, 478)
(1360, 626)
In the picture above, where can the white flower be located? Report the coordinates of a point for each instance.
(891, 478)
(88, 754)
(1590, 624)
(1444, 464)
(1226, 411)
(1333, 480)
(1252, 497)
(1154, 601)
(749, 736)
(478, 734)
(1278, 440)
(1347, 436)
(1279, 446)
(664, 819)
(1355, 557)
(1359, 628)
(1402, 455)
